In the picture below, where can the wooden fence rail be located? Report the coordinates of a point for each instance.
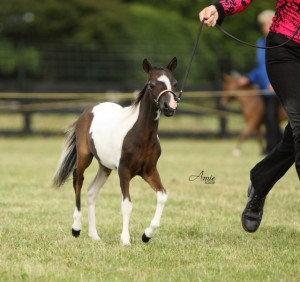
(27, 104)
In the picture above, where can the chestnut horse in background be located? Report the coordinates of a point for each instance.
(123, 139)
(253, 109)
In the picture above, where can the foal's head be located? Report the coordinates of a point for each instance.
(161, 85)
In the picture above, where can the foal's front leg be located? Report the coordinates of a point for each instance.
(126, 212)
(126, 205)
(155, 183)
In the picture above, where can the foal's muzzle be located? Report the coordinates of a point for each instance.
(168, 107)
(167, 111)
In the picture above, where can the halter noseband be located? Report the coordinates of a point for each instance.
(156, 100)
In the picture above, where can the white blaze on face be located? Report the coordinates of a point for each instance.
(163, 78)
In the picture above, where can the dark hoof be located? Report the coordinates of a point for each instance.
(75, 233)
(145, 238)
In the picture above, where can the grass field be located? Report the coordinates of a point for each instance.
(200, 239)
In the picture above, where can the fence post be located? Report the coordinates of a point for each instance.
(218, 82)
(27, 123)
(222, 120)
(22, 84)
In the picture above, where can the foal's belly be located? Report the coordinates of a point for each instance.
(109, 126)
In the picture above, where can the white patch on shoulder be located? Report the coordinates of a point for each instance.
(110, 124)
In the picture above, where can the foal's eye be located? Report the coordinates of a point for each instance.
(175, 84)
(152, 83)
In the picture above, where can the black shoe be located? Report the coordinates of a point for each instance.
(253, 212)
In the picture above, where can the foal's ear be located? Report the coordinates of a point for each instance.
(146, 66)
(172, 65)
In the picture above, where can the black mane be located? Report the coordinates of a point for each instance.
(140, 95)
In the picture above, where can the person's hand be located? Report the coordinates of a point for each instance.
(209, 15)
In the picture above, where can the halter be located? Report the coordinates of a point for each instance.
(156, 100)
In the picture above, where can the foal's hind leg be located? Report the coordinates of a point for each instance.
(92, 195)
(83, 161)
(154, 180)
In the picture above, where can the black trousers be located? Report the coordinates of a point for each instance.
(283, 66)
(273, 131)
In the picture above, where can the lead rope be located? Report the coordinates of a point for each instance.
(190, 62)
(253, 45)
(231, 36)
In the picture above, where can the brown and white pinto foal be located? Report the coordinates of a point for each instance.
(122, 139)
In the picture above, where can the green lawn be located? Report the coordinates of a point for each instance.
(200, 238)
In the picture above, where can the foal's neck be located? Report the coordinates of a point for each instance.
(147, 120)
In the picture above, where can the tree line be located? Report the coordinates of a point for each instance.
(125, 28)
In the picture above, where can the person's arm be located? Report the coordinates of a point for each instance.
(233, 7)
(215, 13)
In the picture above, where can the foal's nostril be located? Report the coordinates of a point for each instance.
(167, 110)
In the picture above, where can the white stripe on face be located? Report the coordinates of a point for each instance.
(163, 78)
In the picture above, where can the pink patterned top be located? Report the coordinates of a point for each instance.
(285, 22)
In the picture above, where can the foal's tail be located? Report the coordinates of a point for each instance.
(68, 158)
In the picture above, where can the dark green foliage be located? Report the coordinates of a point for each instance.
(117, 35)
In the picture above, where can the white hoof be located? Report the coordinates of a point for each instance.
(94, 236)
(126, 243)
(125, 239)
